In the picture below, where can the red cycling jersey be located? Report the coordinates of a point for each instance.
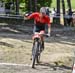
(38, 20)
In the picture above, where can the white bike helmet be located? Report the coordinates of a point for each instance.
(43, 10)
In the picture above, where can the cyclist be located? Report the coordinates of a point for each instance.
(40, 20)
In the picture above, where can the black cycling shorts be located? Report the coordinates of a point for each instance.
(38, 28)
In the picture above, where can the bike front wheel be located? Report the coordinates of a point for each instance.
(35, 53)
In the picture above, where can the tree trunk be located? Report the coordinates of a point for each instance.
(17, 7)
(58, 12)
(69, 4)
(63, 7)
(30, 4)
(35, 5)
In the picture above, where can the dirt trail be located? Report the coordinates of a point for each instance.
(15, 51)
(56, 58)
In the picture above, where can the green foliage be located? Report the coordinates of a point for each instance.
(72, 3)
(39, 4)
(25, 5)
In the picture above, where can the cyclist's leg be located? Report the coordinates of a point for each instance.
(46, 28)
(42, 32)
(42, 39)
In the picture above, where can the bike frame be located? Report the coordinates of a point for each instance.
(36, 48)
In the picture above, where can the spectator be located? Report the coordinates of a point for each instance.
(47, 11)
(7, 8)
(53, 15)
(69, 19)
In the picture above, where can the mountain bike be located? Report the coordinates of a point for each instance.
(37, 48)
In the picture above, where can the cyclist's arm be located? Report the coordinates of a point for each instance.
(49, 27)
(31, 16)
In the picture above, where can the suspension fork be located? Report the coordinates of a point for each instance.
(35, 40)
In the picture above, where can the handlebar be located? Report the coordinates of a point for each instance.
(46, 35)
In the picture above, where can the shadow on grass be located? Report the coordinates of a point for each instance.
(55, 67)
(6, 44)
(25, 30)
